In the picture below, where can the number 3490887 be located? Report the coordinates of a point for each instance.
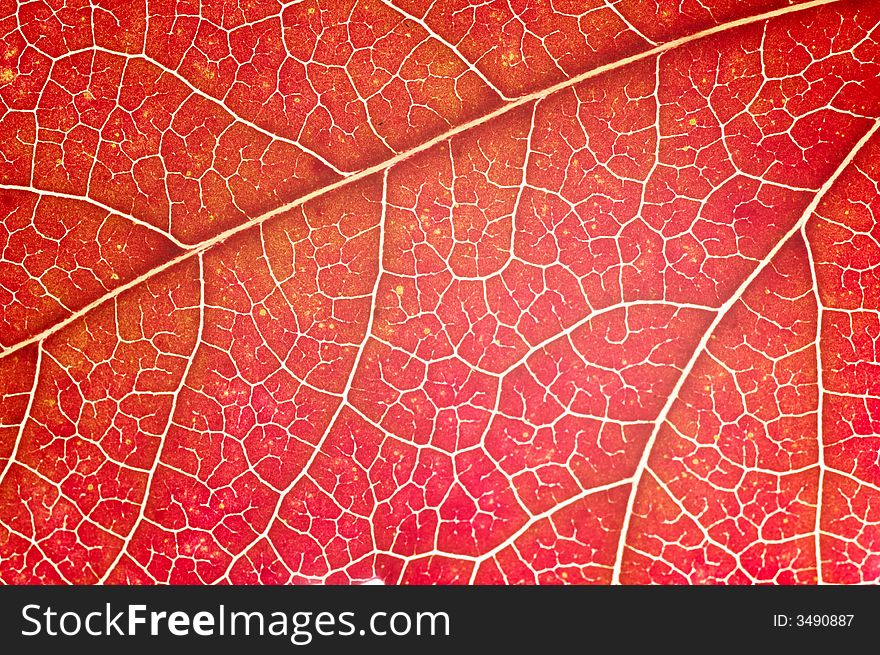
(813, 620)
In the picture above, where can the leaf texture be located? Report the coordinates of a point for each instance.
(519, 291)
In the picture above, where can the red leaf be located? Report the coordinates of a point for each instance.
(445, 291)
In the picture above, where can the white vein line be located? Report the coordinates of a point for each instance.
(36, 544)
(427, 145)
(343, 402)
(820, 404)
(704, 340)
(537, 518)
(26, 417)
(151, 476)
(613, 7)
(100, 205)
(215, 101)
(431, 33)
(852, 477)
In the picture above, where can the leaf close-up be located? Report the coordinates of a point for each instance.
(439, 291)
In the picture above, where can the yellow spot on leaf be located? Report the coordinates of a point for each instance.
(693, 121)
(510, 59)
(398, 289)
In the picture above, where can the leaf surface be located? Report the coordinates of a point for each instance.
(439, 292)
